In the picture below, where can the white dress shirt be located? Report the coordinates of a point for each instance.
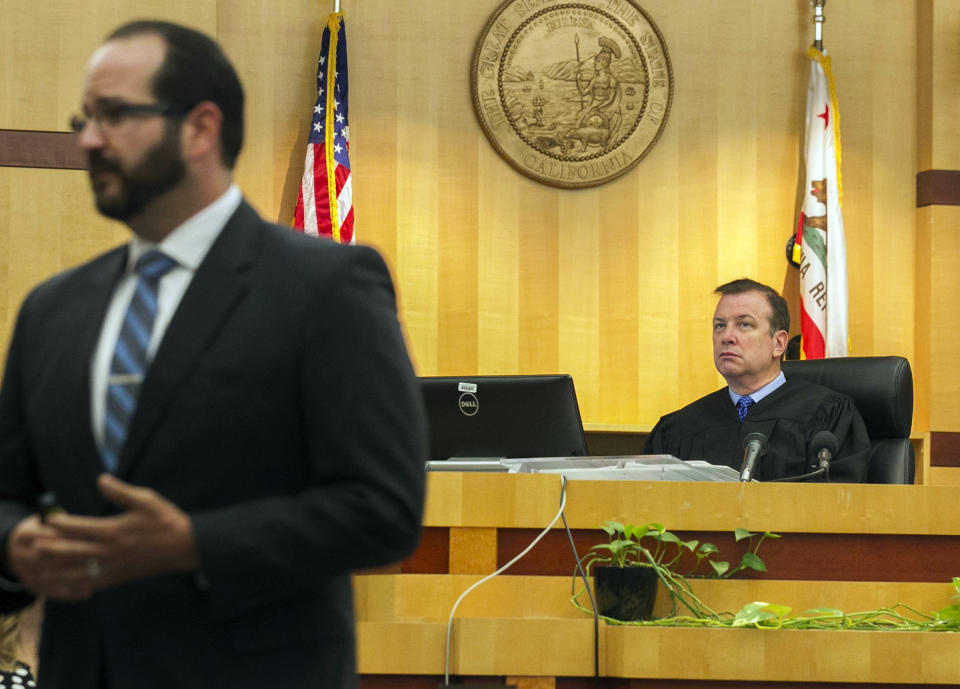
(188, 244)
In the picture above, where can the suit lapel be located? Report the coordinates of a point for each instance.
(90, 297)
(218, 286)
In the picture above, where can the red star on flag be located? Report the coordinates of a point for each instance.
(825, 115)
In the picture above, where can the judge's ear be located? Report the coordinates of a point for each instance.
(200, 134)
(780, 339)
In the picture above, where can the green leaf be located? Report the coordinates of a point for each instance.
(740, 533)
(779, 610)
(752, 561)
(708, 549)
(759, 611)
(690, 545)
(612, 528)
(719, 567)
(951, 613)
(669, 537)
(751, 613)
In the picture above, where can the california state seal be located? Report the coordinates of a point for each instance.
(572, 94)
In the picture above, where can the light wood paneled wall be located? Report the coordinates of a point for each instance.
(497, 273)
(938, 239)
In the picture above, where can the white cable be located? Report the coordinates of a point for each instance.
(563, 502)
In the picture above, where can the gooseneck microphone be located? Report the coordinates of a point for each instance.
(824, 446)
(754, 447)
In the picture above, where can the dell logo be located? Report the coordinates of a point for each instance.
(469, 404)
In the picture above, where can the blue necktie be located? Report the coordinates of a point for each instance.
(129, 363)
(743, 406)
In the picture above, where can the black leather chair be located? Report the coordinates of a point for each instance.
(882, 390)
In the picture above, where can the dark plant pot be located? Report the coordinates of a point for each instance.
(625, 593)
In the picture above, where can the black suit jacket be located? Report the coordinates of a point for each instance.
(280, 413)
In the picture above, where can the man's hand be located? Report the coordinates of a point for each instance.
(46, 564)
(70, 556)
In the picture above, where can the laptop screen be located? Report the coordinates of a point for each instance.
(503, 416)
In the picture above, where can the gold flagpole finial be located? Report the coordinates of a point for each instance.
(818, 20)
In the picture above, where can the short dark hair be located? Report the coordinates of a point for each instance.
(195, 69)
(779, 313)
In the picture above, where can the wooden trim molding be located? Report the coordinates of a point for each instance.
(944, 449)
(25, 148)
(795, 557)
(938, 188)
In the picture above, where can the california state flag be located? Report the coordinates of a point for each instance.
(820, 248)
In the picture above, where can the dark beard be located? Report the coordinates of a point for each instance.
(160, 169)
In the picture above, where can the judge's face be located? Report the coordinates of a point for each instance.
(744, 351)
(133, 157)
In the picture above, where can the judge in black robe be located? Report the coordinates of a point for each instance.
(789, 417)
(750, 326)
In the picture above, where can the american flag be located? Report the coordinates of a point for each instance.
(326, 171)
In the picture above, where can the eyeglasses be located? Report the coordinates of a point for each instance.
(108, 115)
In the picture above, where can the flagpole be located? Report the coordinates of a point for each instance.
(336, 6)
(818, 20)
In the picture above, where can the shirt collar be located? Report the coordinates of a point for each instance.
(189, 243)
(758, 395)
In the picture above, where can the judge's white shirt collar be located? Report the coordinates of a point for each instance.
(758, 395)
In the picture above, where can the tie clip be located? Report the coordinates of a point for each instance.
(125, 379)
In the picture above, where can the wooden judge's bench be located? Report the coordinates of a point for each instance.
(852, 547)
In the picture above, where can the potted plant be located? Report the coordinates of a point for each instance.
(628, 567)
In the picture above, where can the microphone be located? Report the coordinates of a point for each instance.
(825, 445)
(754, 446)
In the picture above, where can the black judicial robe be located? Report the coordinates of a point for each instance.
(789, 417)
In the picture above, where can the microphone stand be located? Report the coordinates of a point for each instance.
(823, 470)
(802, 477)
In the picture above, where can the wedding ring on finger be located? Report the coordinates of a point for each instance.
(93, 568)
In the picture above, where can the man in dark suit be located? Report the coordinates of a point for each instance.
(223, 409)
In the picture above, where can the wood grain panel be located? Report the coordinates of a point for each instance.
(392, 598)
(944, 449)
(531, 501)
(374, 128)
(539, 298)
(716, 654)
(543, 647)
(938, 187)
(796, 556)
(944, 318)
(618, 355)
(579, 294)
(480, 646)
(943, 476)
(473, 550)
(584, 683)
(56, 150)
(44, 49)
(499, 274)
(278, 71)
(36, 243)
(432, 553)
(459, 230)
(431, 682)
(942, 96)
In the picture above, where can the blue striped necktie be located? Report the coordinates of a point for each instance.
(129, 363)
(743, 406)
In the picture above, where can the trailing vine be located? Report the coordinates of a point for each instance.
(627, 548)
